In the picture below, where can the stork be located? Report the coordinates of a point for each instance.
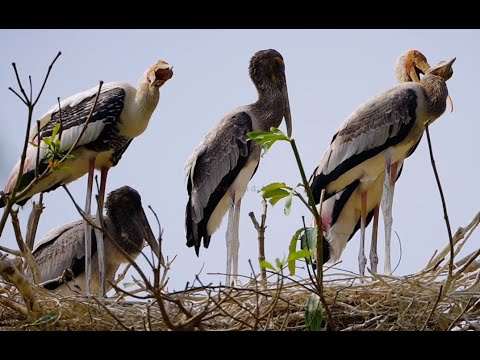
(60, 254)
(341, 212)
(381, 132)
(224, 162)
(122, 113)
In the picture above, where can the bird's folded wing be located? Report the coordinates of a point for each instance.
(74, 113)
(215, 164)
(62, 248)
(381, 122)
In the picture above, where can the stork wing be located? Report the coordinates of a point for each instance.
(62, 248)
(381, 122)
(211, 170)
(73, 114)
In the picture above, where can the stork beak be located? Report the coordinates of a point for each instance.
(150, 237)
(160, 73)
(447, 74)
(416, 63)
(450, 101)
(287, 115)
(446, 70)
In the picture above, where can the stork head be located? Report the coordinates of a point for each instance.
(410, 65)
(267, 69)
(129, 200)
(159, 73)
(443, 69)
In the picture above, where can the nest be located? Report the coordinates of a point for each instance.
(443, 296)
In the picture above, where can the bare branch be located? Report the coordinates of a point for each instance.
(46, 78)
(261, 239)
(444, 204)
(18, 95)
(26, 253)
(19, 82)
(33, 220)
(9, 271)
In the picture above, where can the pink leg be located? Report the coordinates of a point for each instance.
(362, 260)
(373, 247)
(88, 228)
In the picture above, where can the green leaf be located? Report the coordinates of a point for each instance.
(291, 249)
(300, 254)
(273, 186)
(279, 134)
(314, 313)
(47, 141)
(56, 128)
(279, 196)
(279, 264)
(288, 202)
(267, 139)
(266, 265)
(308, 241)
(47, 318)
(257, 135)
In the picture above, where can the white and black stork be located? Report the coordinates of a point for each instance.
(121, 114)
(225, 160)
(373, 141)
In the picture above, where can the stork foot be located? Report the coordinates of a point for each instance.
(373, 261)
(362, 263)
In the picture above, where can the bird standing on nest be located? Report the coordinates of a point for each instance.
(224, 162)
(373, 141)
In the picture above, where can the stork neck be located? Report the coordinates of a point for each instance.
(147, 97)
(128, 234)
(269, 109)
(436, 92)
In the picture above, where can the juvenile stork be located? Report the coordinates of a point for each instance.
(341, 212)
(60, 255)
(224, 162)
(381, 132)
(121, 114)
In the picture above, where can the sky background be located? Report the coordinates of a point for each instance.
(329, 73)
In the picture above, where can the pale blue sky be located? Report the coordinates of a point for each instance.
(329, 73)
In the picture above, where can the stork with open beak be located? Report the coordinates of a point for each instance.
(121, 114)
(221, 166)
(61, 253)
(383, 131)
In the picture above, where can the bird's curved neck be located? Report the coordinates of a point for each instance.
(138, 115)
(269, 109)
(436, 94)
(127, 232)
(147, 96)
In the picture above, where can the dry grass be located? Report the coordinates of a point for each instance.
(427, 300)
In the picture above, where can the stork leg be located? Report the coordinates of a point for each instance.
(236, 241)
(387, 201)
(229, 238)
(99, 233)
(362, 260)
(88, 228)
(373, 246)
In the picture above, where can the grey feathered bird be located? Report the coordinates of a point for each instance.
(224, 162)
(380, 133)
(63, 248)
